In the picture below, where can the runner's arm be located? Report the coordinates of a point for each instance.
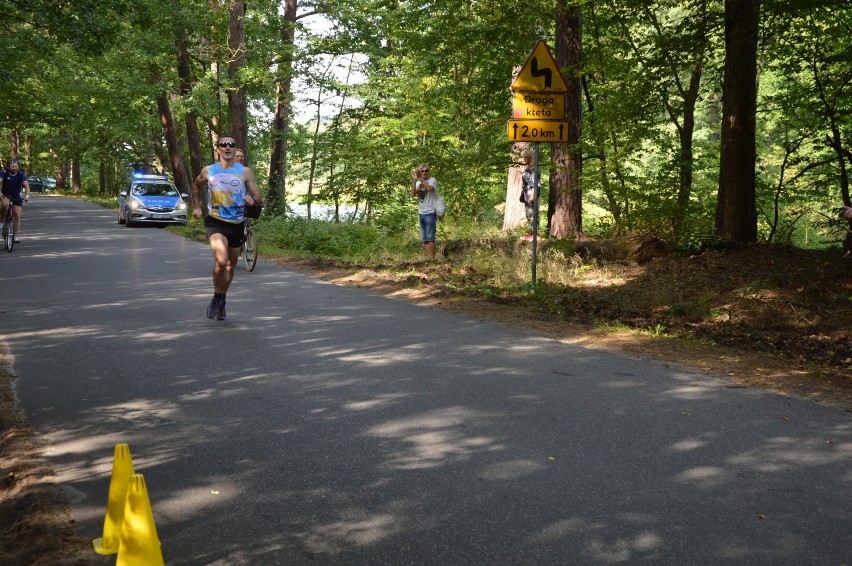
(251, 186)
(196, 192)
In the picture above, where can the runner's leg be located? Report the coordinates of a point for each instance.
(223, 265)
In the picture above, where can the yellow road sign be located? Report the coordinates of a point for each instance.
(547, 131)
(540, 73)
(541, 106)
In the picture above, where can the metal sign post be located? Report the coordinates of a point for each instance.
(536, 192)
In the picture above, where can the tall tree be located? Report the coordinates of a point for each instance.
(565, 213)
(170, 134)
(237, 105)
(215, 119)
(685, 120)
(277, 196)
(184, 69)
(680, 54)
(736, 208)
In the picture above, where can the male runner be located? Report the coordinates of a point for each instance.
(230, 186)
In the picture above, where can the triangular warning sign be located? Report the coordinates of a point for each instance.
(540, 73)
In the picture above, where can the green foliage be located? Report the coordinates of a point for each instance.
(401, 83)
(355, 242)
(423, 100)
(397, 216)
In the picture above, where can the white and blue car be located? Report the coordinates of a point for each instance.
(151, 199)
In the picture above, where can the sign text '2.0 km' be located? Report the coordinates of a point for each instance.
(553, 131)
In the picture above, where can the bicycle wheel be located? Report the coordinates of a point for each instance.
(9, 236)
(250, 250)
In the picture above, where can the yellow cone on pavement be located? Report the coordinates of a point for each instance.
(122, 469)
(140, 545)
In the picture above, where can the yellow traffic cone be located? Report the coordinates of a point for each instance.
(139, 545)
(122, 469)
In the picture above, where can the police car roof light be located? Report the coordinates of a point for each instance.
(151, 177)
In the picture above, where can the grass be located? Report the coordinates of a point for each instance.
(484, 267)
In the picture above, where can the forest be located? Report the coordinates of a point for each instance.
(698, 121)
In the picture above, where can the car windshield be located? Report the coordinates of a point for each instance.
(155, 190)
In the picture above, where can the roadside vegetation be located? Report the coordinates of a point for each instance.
(790, 303)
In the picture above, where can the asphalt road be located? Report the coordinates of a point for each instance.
(329, 425)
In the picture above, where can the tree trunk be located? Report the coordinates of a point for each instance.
(565, 213)
(687, 129)
(215, 70)
(102, 178)
(277, 196)
(166, 120)
(13, 143)
(60, 169)
(76, 178)
(736, 209)
(515, 213)
(28, 154)
(834, 141)
(314, 154)
(237, 106)
(193, 140)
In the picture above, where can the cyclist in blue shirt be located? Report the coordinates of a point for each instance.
(13, 182)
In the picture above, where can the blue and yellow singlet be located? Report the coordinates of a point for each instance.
(226, 191)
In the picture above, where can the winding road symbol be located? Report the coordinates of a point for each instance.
(540, 73)
(545, 72)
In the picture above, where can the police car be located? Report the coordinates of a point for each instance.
(151, 199)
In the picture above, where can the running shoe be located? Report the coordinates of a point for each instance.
(220, 314)
(213, 310)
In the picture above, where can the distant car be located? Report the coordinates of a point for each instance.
(151, 199)
(40, 184)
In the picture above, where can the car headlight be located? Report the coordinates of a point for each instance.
(181, 206)
(134, 204)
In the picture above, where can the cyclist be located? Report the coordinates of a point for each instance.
(13, 181)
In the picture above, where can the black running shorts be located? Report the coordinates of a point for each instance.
(233, 232)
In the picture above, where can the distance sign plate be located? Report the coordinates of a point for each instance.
(547, 131)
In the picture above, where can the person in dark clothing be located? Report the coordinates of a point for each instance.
(16, 190)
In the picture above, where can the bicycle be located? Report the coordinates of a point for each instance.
(9, 227)
(249, 249)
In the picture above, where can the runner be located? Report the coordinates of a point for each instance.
(230, 186)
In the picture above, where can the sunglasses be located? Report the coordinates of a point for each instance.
(424, 170)
(227, 144)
